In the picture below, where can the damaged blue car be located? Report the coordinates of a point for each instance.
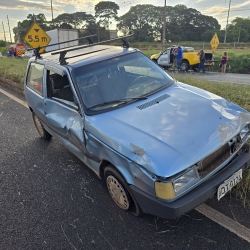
(163, 147)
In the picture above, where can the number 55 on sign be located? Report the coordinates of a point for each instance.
(36, 37)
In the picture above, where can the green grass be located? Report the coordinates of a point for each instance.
(14, 69)
(238, 94)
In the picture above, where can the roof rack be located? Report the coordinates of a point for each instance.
(64, 51)
(36, 50)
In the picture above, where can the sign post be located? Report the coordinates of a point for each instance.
(214, 42)
(36, 37)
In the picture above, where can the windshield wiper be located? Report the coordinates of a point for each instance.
(119, 101)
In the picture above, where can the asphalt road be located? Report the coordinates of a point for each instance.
(217, 77)
(50, 200)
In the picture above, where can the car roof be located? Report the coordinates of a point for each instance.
(88, 55)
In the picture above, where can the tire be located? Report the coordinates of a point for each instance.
(185, 65)
(40, 129)
(119, 191)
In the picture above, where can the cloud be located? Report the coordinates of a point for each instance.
(217, 10)
(81, 5)
(25, 5)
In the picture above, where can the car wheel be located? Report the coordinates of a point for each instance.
(41, 130)
(185, 65)
(119, 191)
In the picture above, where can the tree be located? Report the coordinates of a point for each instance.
(188, 23)
(182, 23)
(75, 20)
(239, 30)
(2, 43)
(24, 26)
(106, 11)
(64, 21)
(140, 21)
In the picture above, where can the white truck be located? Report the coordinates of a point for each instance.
(61, 35)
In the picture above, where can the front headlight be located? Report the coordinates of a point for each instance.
(244, 132)
(186, 180)
(168, 190)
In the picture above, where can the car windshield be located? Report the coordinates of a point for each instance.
(118, 81)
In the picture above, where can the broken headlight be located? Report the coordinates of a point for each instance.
(244, 132)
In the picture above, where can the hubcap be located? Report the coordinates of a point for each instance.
(39, 126)
(117, 192)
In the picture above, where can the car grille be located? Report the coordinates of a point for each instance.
(214, 160)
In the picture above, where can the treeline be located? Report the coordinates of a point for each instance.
(144, 22)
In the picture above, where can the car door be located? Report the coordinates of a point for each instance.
(164, 58)
(34, 83)
(62, 114)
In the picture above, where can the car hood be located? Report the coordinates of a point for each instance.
(171, 130)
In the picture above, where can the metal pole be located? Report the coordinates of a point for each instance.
(225, 38)
(239, 35)
(52, 12)
(164, 27)
(4, 32)
(9, 29)
(75, 19)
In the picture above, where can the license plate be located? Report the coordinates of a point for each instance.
(229, 183)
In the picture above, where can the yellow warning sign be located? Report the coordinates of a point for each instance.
(36, 37)
(214, 42)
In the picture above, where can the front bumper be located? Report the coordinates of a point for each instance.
(171, 210)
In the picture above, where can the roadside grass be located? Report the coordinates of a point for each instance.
(236, 93)
(14, 69)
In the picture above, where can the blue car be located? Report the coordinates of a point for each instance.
(163, 147)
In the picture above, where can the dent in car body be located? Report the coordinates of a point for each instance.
(133, 173)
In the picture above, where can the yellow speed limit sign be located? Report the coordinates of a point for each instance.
(36, 37)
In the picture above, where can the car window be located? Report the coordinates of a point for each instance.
(59, 87)
(35, 77)
(167, 51)
(120, 78)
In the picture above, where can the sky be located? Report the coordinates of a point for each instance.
(12, 11)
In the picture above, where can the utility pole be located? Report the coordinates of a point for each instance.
(52, 12)
(225, 38)
(164, 27)
(239, 34)
(9, 28)
(4, 32)
(75, 19)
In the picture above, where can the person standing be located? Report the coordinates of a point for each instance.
(202, 61)
(174, 54)
(10, 53)
(179, 58)
(224, 60)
